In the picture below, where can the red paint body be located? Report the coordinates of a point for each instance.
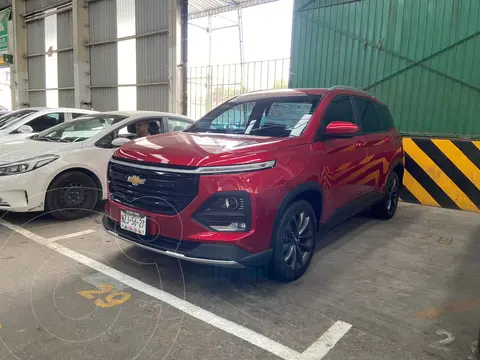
(345, 168)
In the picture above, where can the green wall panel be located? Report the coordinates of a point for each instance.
(422, 57)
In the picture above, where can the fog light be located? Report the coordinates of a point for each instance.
(225, 211)
(231, 203)
(235, 226)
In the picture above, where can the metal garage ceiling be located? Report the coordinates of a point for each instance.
(203, 8)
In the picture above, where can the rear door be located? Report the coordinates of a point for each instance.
(343, 158)
(380, 145)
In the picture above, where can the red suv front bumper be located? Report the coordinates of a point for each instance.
(182, 236)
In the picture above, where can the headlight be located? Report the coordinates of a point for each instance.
(236, 168)
(22, 166)
(225, 211)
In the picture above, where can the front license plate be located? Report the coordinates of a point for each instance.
(133, 222)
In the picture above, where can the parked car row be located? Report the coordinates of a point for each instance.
(254, 181)
(19, 124)
(63, 169)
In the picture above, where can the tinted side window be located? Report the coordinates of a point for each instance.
(45, 122)
(387, 120)
(369, 116)
(177, 124)
(340, 109)
(76, 115)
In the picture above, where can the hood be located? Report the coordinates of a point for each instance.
(191, 149)
(25, 148)
(14, 137)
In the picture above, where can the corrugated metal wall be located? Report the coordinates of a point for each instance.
(421, 57)
(135, 29)
(55, 71)
(66, 97)
(36, 64)
(33, 5)
(152, 54)
(102, 16)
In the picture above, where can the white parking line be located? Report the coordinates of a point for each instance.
(72, 235)
(315, 352)
(328, 340)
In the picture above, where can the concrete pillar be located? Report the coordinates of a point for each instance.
(19, 69)
(177, 63)
(81, 55)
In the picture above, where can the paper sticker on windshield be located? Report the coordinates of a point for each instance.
(300, 125)
(250, 127)
(287, 113)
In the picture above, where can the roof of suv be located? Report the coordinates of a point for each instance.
(255, 95)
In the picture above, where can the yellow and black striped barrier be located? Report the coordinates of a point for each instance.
(443, 173)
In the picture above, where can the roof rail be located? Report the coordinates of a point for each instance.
(345, 87)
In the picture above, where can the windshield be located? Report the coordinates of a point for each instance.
(79, 130)
(278, 117)
(9, 119)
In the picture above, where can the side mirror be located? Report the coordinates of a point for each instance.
(342, 128)
(25, 129)
(120, 141)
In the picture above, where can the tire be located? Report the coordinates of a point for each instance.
(71, 195)
(293, 247)
(387, 207)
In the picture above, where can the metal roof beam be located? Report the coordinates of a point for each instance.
(226, 8)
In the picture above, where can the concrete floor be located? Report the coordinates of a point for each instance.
(410, 288)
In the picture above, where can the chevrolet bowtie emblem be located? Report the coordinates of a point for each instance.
(135, 180)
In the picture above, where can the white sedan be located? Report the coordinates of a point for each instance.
(19, 124)
(63, 170)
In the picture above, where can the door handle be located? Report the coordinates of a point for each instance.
(387, 139)
(359, 144)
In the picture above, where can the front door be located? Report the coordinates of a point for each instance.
(343, 158)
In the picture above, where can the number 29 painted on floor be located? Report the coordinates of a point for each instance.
(110, 300)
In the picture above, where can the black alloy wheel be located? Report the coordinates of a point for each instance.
(298, 242)
(392, 194)
(387, 207)
(294, 241)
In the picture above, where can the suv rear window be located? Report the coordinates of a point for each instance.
(277, 117)
(387, 120)
(369, 116)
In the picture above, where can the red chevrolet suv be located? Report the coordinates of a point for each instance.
(258, 178)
